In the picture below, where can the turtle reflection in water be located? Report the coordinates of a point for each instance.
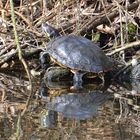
(79, 106)
(78, 54)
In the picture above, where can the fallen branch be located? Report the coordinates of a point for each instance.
(126, 46)
(11, 55)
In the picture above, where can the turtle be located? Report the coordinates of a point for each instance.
(79, 54)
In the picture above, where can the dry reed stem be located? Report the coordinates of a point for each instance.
(20, 53)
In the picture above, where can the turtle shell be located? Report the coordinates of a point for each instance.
(79, 53)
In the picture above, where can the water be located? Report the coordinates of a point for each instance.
(56, 112)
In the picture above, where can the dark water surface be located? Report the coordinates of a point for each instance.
(56, 112)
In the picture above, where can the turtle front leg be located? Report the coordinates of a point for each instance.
(44, 60)
(77, 78)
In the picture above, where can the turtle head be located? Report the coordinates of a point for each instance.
(44, 60)
(49, 30)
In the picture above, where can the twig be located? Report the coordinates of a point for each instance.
(3, 51)
(18, 128)
(6, 57)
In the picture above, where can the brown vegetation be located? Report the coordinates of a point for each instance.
(117, 20)
(113, 24)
